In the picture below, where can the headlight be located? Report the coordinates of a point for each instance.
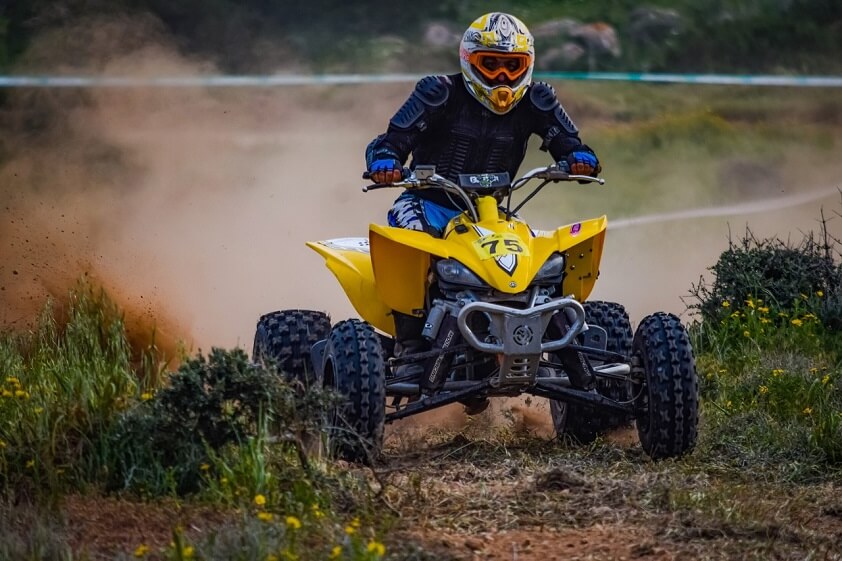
(552, 269)
(454, 272)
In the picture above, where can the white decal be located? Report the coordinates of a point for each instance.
(348, 244)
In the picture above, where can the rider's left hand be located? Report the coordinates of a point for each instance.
(583, 163)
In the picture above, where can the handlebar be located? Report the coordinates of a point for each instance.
(411, 181)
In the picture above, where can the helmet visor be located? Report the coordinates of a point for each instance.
(491, 65)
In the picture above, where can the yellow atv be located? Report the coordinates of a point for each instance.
(505, 311)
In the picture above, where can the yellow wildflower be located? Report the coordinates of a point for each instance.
(814, 370)
(2, 444)
(335, 552)
(808, 411)
(145, 396)
(6, 393)
(765, 320)
(826, 379)
(777, 372)
(819, 293)
(750, 303)
(265, 516)
(376, 548)
(746, 333)
(30, 464)
(259, 500)
(350, 530)
(204, 467)
(141, 550)
(293, 522)
(726, 304)
(187, 552)
(796, 322)
(20, 394)
(14, 380)
(728, 404)
(317, 512)
(764, 390)
(356, 522)
(783, 314)
(38, 410)
(763, 310)
(735, 315)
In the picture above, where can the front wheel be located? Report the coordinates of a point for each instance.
(356, 368)
(667, 393)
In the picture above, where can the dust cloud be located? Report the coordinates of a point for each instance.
(191, 206)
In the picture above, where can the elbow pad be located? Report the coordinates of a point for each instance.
(429, 96)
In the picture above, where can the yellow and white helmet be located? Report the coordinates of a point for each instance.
(497, 55)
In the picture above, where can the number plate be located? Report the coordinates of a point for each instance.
(493, 246)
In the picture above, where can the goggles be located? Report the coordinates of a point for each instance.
(492, 64)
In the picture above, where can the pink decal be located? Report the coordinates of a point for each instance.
(575, 229)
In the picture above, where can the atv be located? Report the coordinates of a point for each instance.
(505, 311)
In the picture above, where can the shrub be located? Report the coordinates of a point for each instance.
(170, 440)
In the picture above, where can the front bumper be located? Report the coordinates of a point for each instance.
(517, 336)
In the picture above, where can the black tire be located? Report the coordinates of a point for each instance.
(284, 339)
(584, 424)
(667, 402)
(356, 368)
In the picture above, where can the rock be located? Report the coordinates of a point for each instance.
(554, 28)
(559, 57)
(598, 39)
(652, 25)
(441, 36)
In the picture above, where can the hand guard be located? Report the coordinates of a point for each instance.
(385, 171)
(583, 163)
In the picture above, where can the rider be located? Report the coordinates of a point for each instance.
(478, 122)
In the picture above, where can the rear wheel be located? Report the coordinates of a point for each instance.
(356, 368)
(582, 423)
(284, 339)
(667, 403)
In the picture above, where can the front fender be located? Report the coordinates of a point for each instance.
(349, 260)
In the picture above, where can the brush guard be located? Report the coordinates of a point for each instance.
(517, 336)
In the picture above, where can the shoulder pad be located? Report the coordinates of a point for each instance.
(430, 93)
(433, 90)
(543, 96)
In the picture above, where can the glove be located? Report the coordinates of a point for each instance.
(385, 171)
(583, 163)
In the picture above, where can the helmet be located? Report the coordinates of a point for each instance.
(497, 56)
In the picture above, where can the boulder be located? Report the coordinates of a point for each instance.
(653, 25)
(442, 36)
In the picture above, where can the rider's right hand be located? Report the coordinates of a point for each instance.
(385, 171)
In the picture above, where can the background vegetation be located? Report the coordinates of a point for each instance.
(796, 36)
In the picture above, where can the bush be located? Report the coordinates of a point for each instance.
(769, 345)
(788, 277)
(169, 441)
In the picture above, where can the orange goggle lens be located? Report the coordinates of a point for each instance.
(492, 65)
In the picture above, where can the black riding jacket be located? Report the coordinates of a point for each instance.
(443, 124)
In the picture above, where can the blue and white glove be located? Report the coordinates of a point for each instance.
(386, 170)
(583, 163)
